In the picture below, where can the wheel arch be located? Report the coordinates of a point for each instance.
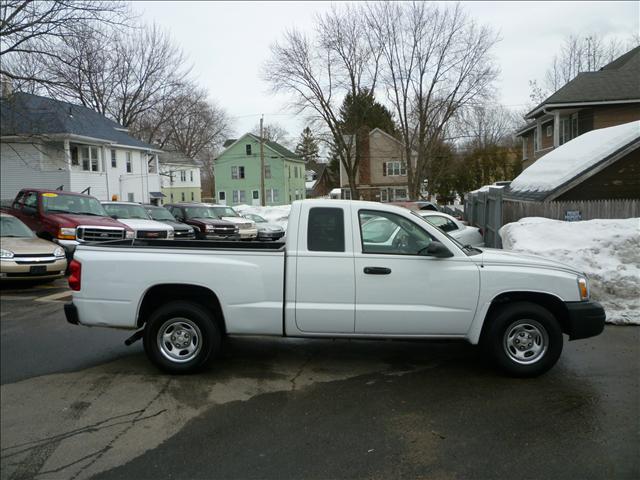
(160, 294)
(551, 302)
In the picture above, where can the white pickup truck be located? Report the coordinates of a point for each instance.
(334, 277)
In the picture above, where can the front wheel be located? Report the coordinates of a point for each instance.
(524, 339)
(180, 337)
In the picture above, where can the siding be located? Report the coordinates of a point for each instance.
(22, 166)
(611, 116)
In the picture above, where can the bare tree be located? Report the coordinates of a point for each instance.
(320, 70)
(485, 125)
(436, 62)
(273, 132)
(36, 26)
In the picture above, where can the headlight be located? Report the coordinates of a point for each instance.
(583, 288)
(59, 252)
(236, 229)
(67, 233)
(129, 234)
(170, 234)
(5, 253)
(209, 228)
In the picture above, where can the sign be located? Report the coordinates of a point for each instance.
(572, 216)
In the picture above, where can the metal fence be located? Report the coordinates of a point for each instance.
(488, 210)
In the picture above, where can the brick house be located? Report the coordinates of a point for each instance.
(592, 100)
(382, 173)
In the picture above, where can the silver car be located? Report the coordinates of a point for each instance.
(266, 230)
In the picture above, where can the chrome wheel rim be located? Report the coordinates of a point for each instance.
(526, 342)
(179, 340)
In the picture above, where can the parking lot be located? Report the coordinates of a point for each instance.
(77, 403)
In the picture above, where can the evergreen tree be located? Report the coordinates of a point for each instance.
(307, 147)
(364, 111)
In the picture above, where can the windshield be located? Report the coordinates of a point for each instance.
(255, 218)
(199, 212)
(124, 210)
(225, 212)
(12, 227)
(61, 203)
(160, 213)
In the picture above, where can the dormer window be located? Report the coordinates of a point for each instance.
(248, 149)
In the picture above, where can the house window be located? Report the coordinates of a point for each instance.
(525, 149)
(191, 175)
(129, 163)
(237, 173)
(267, 171)
(90, 159)
(272, 195)
(400, 194)
(74, 155)
(256, 195)
(114, 160)
(248, 149)
(131, 197)
(549, 131)
(535, 140)
(192, 197)
(151, 164)
(346, 193)
(183, 176)
(295, 172)
(182, 196)
(394, 169)
(222, 196)
(384, 195)
(238, 196)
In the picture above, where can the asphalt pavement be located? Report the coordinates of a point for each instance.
(77, 403)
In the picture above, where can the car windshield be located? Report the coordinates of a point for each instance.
(468, 251)
(225, 212)
(159, 213)
(200, 212)
(124, 210)
(378, 230)
(61, 203)
(255, 218)
(12, 227)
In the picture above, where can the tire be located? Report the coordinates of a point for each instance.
(180, 337)
(524, 339)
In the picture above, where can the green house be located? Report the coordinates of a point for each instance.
(237, 172)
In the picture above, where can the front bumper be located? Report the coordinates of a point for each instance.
(10, 270)
(586, 319)
(248, 233)
(270, 235)
(217, 236)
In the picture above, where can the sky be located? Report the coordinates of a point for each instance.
(228, 42)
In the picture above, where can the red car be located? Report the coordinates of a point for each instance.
(66, 218)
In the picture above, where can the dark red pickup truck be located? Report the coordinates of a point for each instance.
(66, 218)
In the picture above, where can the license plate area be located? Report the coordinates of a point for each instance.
(38, 269)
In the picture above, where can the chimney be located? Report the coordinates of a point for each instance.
(6, 86)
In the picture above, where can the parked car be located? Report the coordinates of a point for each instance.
(207, 224)
(161, 214)
(465, 234)
(24, 256)
(429, 286)
(66, 218)
(266, 230)
(418, 205)
(246, 228)
(136, 217)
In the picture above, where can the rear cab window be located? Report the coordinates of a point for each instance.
(325, 230)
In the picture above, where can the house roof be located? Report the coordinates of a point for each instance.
(559, 170)
(26, 114)
(273, 146)
(176, 158)
(615, 82)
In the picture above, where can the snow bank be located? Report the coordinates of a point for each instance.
(608, 251)
(276, 214)
(567, 161)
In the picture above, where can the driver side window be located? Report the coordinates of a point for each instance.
(388, 233)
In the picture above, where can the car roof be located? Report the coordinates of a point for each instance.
(120, 203)
(58, 192)
(433, 213)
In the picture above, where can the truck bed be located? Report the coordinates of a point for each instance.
(191, 244)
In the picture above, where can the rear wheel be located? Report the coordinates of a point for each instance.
(181, 337)
(524, 339)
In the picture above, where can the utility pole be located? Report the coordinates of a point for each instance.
(262, 195)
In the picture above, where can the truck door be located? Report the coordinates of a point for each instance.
(325, 287)
(399, 291)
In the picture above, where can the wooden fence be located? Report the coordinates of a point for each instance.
(513, 211)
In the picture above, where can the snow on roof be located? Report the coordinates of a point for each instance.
(569, 160)
(309, 185)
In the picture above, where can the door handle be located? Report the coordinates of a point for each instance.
(377, 270)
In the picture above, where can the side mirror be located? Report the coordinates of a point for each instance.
(115, 217)
(179, 219)
(437, 250)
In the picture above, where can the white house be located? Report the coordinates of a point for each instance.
(180, 178)
(47, 143)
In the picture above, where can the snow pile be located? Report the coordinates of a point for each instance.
(567, 161)
(608, 251)
(276, 214)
